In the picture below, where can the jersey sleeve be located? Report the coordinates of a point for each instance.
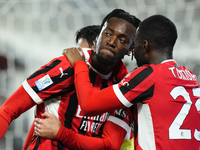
(51, 80)
(14, 106)
(136, 86)
(115, 130)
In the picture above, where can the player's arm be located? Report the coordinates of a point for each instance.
(30, 93)
(112, 138)
(14, 106)
(137, 86)
(50, 81)
(105, 99)
(88, 106)
(114, 132)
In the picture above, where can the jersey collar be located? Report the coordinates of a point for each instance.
(87, 53)
(168, 60)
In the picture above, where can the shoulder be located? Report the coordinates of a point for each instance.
(141, 72)
(57, 61)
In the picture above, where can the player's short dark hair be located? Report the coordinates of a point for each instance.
(121, 14)
(160, 31)
(89, 33)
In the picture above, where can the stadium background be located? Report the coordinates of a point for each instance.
(32, 32)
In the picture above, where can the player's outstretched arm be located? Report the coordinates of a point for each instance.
(13, 107)
(112, 136)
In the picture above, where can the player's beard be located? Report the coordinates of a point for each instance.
(105, 61)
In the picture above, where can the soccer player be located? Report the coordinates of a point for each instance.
(56, 79)
(48, 128)
(165, 94)
(85, 38)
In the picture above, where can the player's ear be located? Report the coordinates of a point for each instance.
(146, 46)
(93, 45)
(130, 50)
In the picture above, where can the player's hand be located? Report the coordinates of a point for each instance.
(73, 54)
(47, 128)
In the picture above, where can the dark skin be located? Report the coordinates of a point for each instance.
(144, 52)
(115, 41)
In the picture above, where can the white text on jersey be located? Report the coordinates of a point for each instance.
(183, 74)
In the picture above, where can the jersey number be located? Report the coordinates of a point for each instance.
(174, 130)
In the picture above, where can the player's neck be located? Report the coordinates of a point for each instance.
(100, 67)
(157, 58)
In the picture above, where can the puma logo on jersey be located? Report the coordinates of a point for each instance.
(62, 73)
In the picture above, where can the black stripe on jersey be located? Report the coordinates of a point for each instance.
(63, 91)
(104, 84)
(136, 80)
(135, 128)
(60, 145)
(33, 138)
(92, 76)
(71, 110)
(37, 143)
(145, 95)
(44, 70)
(57, 79)
(83, 125)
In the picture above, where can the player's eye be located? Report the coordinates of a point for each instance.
(122, 41)
(106, 33)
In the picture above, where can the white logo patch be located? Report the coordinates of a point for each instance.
(43, 82)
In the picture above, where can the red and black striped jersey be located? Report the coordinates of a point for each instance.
(168, 115)
(52, 88)
(166, 98)
(115, 130)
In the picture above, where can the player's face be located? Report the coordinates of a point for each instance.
(138, 51)
(115, 40)
(82, 43)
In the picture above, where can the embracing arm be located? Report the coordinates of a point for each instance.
(93, 102)
(114, 132)
(112, 138)
(135, 87)
(13, 107)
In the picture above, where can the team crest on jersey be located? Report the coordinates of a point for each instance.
(43, 82)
